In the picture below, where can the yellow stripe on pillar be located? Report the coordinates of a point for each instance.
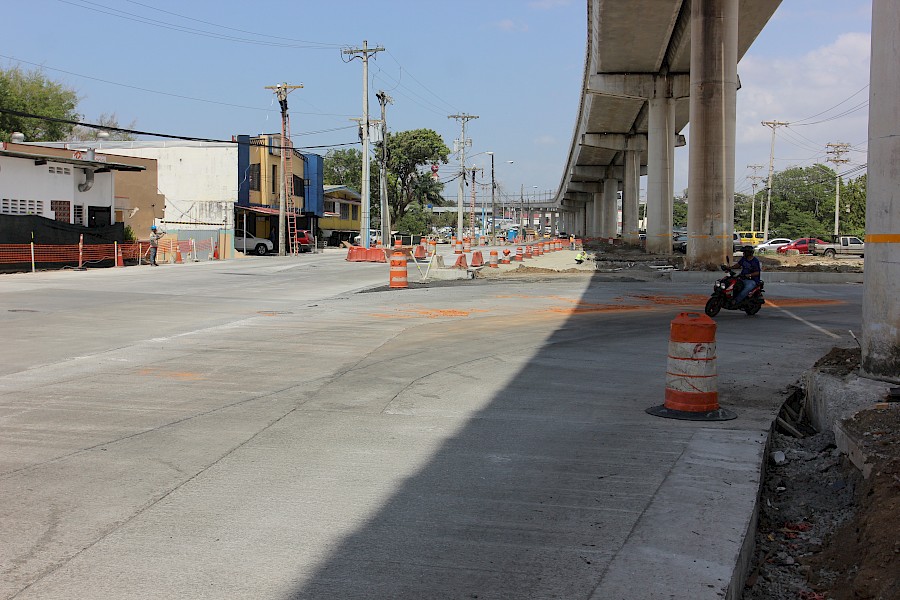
(883, 238)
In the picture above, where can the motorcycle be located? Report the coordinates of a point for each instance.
(724, 291)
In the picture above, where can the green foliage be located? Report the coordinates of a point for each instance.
(31, 92)
(803, 203)
(414, 221)
(129, 234)
(344, 167)
(679, 213)
(408, 152)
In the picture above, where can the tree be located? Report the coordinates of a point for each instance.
(853, 207)
(344, 167)
(679, 213)
(408, 152)
(81, 133)
(31, 92)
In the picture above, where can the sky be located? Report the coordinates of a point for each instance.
(200, 67)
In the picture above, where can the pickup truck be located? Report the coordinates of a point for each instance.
(843, 244)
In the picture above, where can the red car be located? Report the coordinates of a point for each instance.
(802, 245)
(304, 240)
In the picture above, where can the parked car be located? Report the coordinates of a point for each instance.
(305, 240)
(679, 244)
(771, 245)
(246, 243)
(802, 245)
(844, 244)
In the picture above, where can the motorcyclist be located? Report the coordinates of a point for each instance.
(750, 273)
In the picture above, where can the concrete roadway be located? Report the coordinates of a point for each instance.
(258, 429)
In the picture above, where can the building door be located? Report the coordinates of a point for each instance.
(98, 216)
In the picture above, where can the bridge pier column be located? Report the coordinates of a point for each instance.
(610, 218)
(596, 216)
(714, 83)
(660, 168)
(631, 197)
(881, 295)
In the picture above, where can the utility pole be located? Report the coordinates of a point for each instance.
(364, 53)
(473, 168)
(460, 147)
(281, 92)
(836, 152)
(384, 100)
(774, 125)
(754, 182)
(493, 204)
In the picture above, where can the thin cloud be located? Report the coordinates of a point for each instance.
(545, 140)
(511, 26)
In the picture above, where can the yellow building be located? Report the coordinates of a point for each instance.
(340, 220)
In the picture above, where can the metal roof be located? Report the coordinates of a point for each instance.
(98, 166)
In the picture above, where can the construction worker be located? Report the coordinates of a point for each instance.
(155, 236)
(580, 257)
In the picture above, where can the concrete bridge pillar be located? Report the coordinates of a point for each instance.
(596, 216)
(631, 197)
(553, 223)
(610, 218)
(660, 169)
(714, 84)
(881, 296)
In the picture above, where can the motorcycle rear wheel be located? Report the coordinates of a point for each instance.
(713, 306)
(752, 309)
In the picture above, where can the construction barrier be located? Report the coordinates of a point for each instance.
(461, 262)
(691, 377)
(398, 276)
(477, 259)
(376, 255)
(457, 246)
(520, 253)
(494, 260)
(528, 252)
(356, 254)
(505, 259)
(467, 245)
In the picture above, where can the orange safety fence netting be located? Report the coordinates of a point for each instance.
(92, 253)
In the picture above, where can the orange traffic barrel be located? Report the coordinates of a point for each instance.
(467, 245)
(457, 246)
(494, 259)
(398, 243)
(528, 251)
(691, 378)
(505, 259)
(520, 253)
(398, 278)
(432, 247)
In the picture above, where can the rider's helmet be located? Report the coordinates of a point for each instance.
(747, 250)
(153, 228)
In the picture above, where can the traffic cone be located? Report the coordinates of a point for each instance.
(215, 250)
(461, 262)
(120, 262)
(178, 258)
(477, 259)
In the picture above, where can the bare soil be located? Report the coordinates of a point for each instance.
(824, 532)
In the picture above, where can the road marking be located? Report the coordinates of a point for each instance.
(802, 320)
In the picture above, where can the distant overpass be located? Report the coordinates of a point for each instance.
(650, 67)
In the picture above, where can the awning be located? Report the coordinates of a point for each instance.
(264, 210)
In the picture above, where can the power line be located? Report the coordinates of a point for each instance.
(800, 121)
(171, 136)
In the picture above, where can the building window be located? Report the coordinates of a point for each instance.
(60, 170)
(274, 179)
(61, 209)
(330, 206)
(254, 177)
(78, 214)
(12, 206)
(355, 212)
(345, 211)
(298, 186)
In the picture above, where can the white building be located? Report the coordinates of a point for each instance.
(198, 179)
(77, 189)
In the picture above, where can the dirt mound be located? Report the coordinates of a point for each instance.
(824, 532)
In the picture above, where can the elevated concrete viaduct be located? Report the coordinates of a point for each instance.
(651, 66)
